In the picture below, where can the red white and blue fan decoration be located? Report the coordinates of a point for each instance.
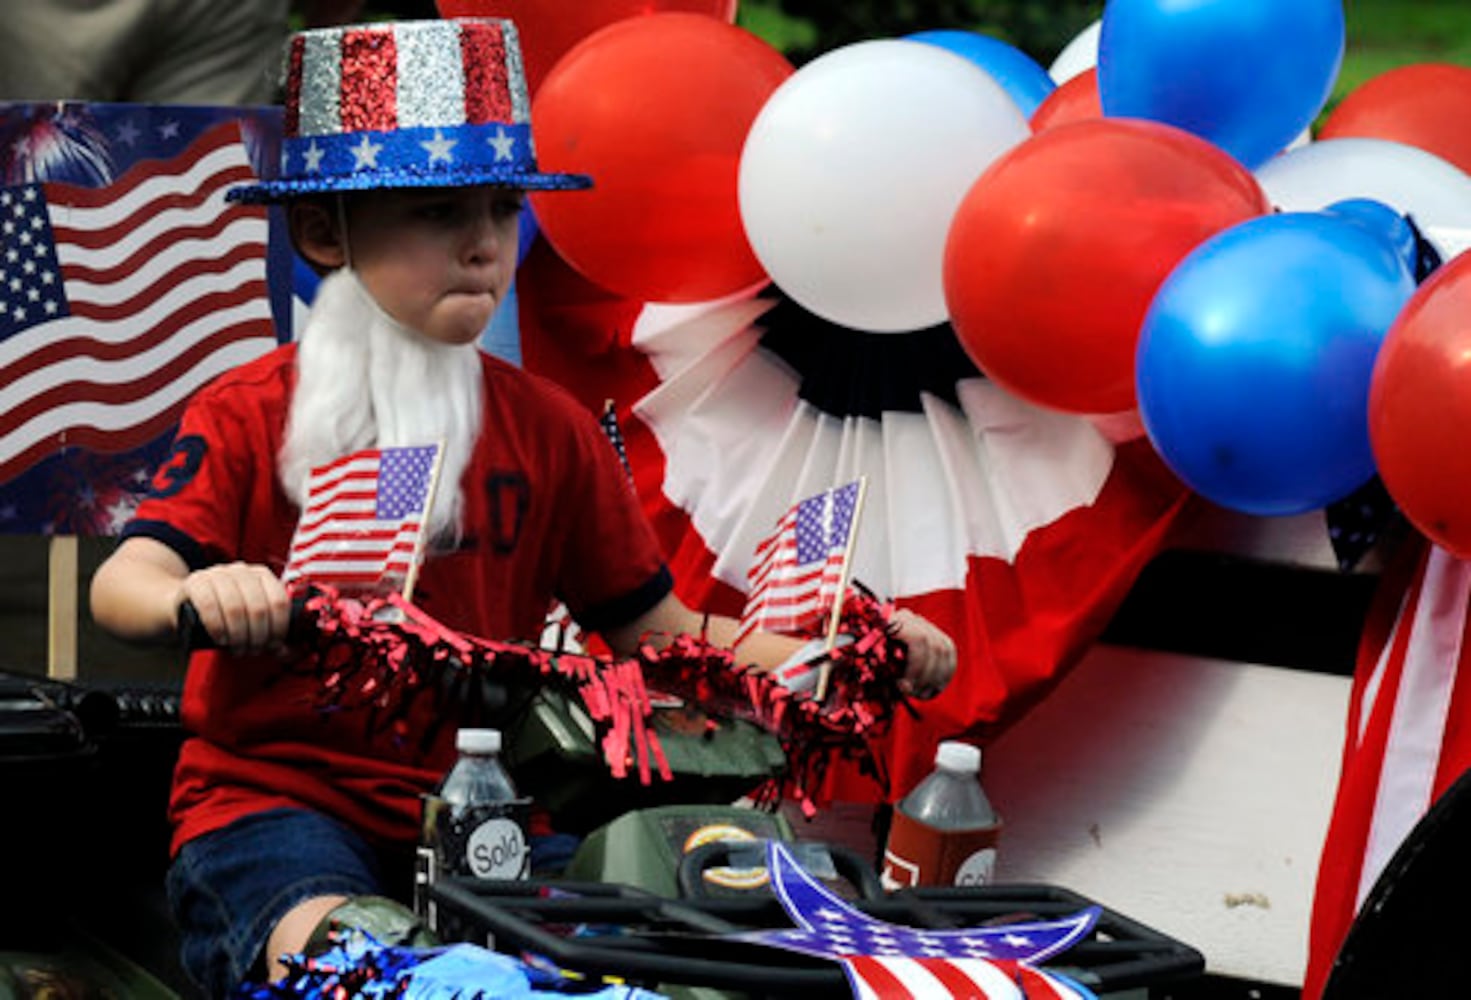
(1015, 529)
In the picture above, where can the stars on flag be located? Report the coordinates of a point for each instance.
(29, 292)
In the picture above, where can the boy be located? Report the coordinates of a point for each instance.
(406, 156)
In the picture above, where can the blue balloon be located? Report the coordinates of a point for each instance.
(527, 228)
(1021, 76)
(1248, 75)
(1255, 358)
(1383, 221)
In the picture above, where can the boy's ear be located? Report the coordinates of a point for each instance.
(315, 234)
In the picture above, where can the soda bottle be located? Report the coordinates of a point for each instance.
(475, 824)
(944, 832)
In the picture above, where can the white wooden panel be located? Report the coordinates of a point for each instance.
(1189, 794)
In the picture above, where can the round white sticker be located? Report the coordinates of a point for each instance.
(497, 849)
(978, 868)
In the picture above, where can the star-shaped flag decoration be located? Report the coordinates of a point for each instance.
(365, 154)
(440, 148)
(884, 960)
(504, 144)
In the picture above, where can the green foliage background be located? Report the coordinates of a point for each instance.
(1381, 34)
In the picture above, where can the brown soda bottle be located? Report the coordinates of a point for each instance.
(944, 832)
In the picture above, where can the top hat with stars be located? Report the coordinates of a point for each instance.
(406, 104)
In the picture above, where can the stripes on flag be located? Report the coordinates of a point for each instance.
(361, 528)
(1403, 745)
(799, 572)
(119, 302)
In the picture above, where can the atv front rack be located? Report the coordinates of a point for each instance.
(602, 930)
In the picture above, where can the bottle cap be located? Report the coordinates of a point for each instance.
(954, 756)
(478, 741)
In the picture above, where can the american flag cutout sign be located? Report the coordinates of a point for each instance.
(119, 301)
(362, 528)
(800, 570)
(885, 961)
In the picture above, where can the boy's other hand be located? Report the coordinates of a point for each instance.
(931, 654)
(243, 607)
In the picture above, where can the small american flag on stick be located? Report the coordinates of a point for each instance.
(609, 423)
(362, 529)
(801, 569)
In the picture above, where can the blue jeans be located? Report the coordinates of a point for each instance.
(229, 888)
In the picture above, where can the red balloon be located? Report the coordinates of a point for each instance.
(1420, 407)
(1074, 100)
(1427, 105)
(1057, 250)
(549, 29)
(656, 109)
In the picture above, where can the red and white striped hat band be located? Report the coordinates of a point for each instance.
(406, 104)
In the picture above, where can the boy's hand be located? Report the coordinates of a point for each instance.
(243, 607)
(931, 654)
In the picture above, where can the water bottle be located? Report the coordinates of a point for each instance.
(944, 832)
(475, 824)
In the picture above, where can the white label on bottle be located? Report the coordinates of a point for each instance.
(978, 868)
(497, 849)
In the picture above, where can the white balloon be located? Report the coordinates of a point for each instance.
(852, 172)
(1432, 191)
(1077, 56)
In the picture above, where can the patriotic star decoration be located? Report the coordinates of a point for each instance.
(505, 145)
(439, 148)
(365, 154)
(886, 960)
(311, 157)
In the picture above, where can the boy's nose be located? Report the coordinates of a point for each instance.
(485, 241)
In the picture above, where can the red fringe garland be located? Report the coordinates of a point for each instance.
(381, 655)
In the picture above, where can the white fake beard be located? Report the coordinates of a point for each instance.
(364, 380)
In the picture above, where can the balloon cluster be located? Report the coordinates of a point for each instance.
(1146, 226)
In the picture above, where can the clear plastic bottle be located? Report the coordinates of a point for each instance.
(945, 831)
(475, 824)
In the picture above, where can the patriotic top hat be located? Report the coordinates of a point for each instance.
(406, 104)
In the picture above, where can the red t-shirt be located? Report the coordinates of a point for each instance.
(548, 513)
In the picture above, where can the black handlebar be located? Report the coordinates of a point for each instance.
(193, 635)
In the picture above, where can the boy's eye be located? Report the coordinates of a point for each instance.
(435, 211)
(508, 208)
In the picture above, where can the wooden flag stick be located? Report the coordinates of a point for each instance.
(412, 577)
(61, 609)
(843, 572)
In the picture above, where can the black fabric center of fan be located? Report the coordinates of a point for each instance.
(852, 373)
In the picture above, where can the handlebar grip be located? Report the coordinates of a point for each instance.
(193, 635)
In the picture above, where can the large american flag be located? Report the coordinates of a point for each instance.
(801, 568)
(119, 301)
(887, 961)
(364, 518)
(1406, 740)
